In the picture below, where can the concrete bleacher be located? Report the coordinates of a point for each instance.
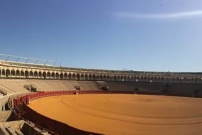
(70, 85)
(185, 90)
(3, 101)
(148, 88)
(11, 128)
(88, 85)
(120, 86)
(173, 89)
(48, 85)
(4, 115)
(54, 85)
(20, 128)
(13, 85)
(4, 89)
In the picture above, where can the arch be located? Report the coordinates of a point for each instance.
(97, 77)
(134, 78)
(77, 76)
(172, 78)
(70, 76)
(48, 75)
(3, 72)
(44, 74)
(155, 78)
(119, 77)
(8, 73)
(177, 79)
(104, 77)
(73, 76)
(145, 78)
(65, 76)
(82, 77)
(194, 79)
(100, 77)
(13, 73)
(57, 76)
(115, 78)
(90, 77)
(40, 74)
(22, 73)
(107, 77)
(93, 77)
(124, 78)
(53, 75)
(17, 73)
(35, 74)
(31, 74)
(26, 74)
(128, 78)
(198, 79)
(61, 76)
(86, 76)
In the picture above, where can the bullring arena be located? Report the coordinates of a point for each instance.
(116, 114)
(43, 99)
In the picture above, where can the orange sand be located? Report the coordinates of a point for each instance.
(119, 114)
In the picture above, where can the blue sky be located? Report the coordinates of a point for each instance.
(140, 35)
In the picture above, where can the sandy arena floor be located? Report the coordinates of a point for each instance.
(119, 114)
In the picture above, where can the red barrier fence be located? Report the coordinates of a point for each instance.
(26, 98)
(45, 122)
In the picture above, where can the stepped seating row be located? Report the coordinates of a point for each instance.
(52, 85)
(21, 128)
(88, 85)
(172, 89)
(120, 86)
(11, 128)
(11, 86)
